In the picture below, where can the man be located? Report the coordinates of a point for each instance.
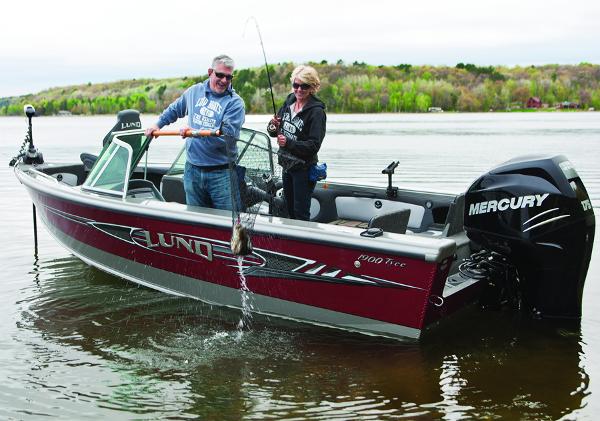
(209, 105)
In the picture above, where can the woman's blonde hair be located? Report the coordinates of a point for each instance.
(307, 74)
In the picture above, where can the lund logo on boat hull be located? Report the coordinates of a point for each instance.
(174, 241)
(518, 202)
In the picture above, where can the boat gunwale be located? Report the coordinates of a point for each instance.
(429, 249)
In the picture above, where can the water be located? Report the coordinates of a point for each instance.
(76, 343)
(245, 321)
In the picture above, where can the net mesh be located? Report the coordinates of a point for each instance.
(256, 179)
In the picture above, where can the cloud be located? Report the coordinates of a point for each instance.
(66, 42)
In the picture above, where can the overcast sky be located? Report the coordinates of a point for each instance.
(46, 43)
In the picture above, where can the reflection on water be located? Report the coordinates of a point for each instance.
(96, 339)
(76, 343)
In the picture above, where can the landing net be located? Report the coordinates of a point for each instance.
(255, 181)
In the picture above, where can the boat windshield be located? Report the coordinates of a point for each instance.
(111, 171)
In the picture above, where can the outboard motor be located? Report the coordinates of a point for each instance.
(535, 213)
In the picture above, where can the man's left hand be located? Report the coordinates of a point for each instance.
(183, 130)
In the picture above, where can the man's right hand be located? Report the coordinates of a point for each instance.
(151, 129)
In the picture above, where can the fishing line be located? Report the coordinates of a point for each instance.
(241, 244)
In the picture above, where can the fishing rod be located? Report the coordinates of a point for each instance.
(265, 57)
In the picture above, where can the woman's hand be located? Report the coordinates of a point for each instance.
(281, 140)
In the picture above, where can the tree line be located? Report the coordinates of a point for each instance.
(346, 88)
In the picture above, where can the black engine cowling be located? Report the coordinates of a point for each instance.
(536, 211)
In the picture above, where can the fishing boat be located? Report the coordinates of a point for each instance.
(376, 260)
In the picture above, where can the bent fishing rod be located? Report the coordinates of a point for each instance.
(265, 57)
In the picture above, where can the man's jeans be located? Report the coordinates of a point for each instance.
(208, 188)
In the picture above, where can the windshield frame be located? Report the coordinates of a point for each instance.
(102, 166)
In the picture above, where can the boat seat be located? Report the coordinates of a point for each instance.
(359, 208)
(456, 217)
(141, 188)
(171, 187)
(88, 160)
(396, 221)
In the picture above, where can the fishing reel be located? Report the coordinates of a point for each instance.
(273, 126)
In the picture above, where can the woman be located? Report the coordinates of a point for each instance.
(300, 128)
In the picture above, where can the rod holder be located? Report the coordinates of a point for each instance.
(389, 170)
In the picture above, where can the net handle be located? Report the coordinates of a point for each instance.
(188, 133)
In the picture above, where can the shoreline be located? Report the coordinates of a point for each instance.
(529, 111)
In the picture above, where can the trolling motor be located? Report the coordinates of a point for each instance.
(29, 154)
(32, 156)
(389, 170)
(534, 221)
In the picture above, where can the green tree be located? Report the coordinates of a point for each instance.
(160, 91)
(422, 102)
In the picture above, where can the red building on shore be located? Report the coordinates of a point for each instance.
(534, 102)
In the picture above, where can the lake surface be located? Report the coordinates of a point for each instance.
(76, 343)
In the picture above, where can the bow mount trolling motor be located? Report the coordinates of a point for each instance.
(28, 153)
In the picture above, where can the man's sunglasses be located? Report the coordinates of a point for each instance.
(303, 86)
(220, 75)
